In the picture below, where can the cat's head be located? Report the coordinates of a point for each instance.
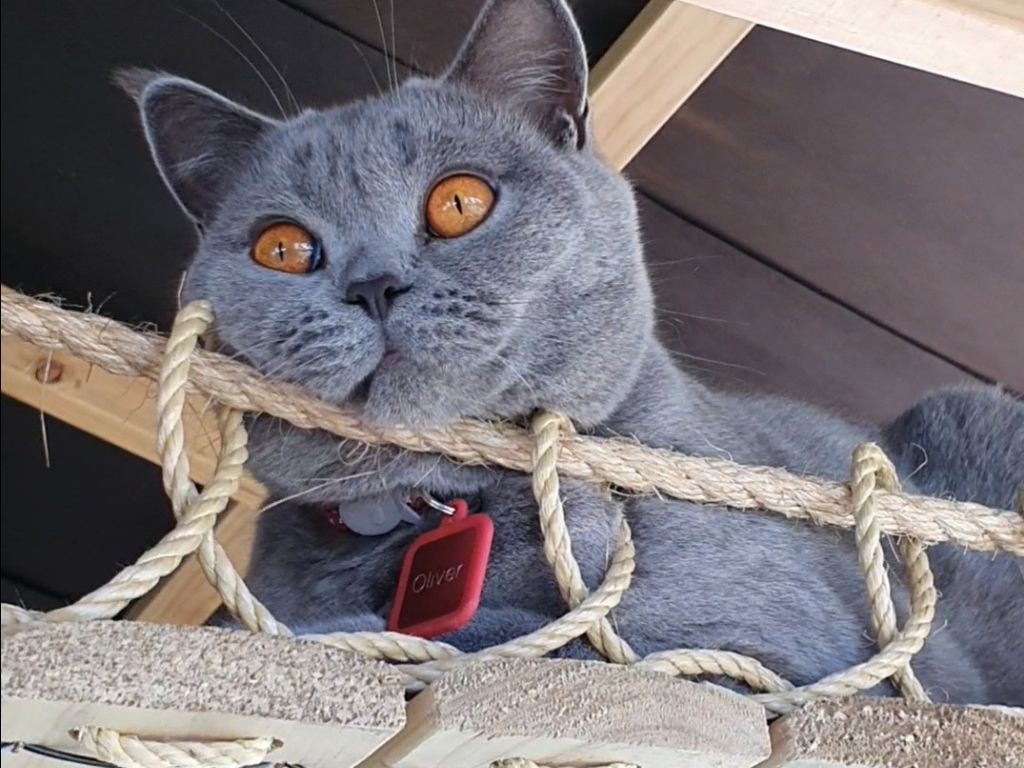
(453, 248)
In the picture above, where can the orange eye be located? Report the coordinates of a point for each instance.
(286, 248)
(458, 204)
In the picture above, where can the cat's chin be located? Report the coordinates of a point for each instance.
(399, 395)
(380, 411)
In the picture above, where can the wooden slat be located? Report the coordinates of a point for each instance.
(117, 409)
(660, 60)
(894, 191)
(978, 41)
(329, 708)
(574, 713)
(888, 733)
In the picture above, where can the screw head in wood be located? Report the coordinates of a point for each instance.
(49, 371)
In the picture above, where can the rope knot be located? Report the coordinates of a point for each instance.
(871, 466)
(871, 470)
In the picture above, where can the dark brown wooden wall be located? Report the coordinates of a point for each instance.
(817, 223)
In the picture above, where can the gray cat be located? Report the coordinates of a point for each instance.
(458, 249)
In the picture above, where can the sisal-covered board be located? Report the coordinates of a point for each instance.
(573, 712)
(195, 683)
(874, 733)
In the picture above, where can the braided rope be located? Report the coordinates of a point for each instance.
(548, 429)
(877, 509)
(871, 468)
(126, 751)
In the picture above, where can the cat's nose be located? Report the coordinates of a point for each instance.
(375, 294)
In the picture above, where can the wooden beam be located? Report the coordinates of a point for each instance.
(657, 63)
(329, 708)
(559, 712)
(117, 409)
(976, 41)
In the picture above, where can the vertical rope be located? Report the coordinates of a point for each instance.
(872, 469)
(547, 430)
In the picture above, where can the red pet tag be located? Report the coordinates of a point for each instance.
(443, 575)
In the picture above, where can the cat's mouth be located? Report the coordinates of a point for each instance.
(389, 359)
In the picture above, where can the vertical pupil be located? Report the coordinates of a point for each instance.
(279, 251)
(458, 204)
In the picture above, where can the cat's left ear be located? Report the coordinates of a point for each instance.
(530, 53)
(200, 140)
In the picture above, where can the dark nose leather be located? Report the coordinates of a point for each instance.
(375, 294)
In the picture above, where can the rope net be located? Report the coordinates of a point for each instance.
(871, 504)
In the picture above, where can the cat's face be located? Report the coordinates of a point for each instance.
(536, 298)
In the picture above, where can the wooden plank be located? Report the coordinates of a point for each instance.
(571, 712)
(660, 60)
(121, 411)
(887, 733)
(117, 409)
(741, 324)
(328, 707)
(893, 191)
(979, 41)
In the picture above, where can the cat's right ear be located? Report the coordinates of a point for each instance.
(199, 139)
(530, 54)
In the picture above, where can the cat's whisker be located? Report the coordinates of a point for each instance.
(259, 49)
(512, 369)
(241, 54)
(700, 359)
(369, 69)
(394, 41)
(392, 80)
(662, 310)
(313, 489)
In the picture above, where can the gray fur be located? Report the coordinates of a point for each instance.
(545, 305)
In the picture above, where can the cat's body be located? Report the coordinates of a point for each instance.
(545, 304)
(789, 594)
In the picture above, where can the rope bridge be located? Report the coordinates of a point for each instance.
(871, 504)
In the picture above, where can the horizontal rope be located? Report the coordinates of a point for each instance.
(621, 463)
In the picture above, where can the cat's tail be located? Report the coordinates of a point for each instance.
(965, 443)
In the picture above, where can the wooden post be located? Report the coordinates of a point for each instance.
(657, 63)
